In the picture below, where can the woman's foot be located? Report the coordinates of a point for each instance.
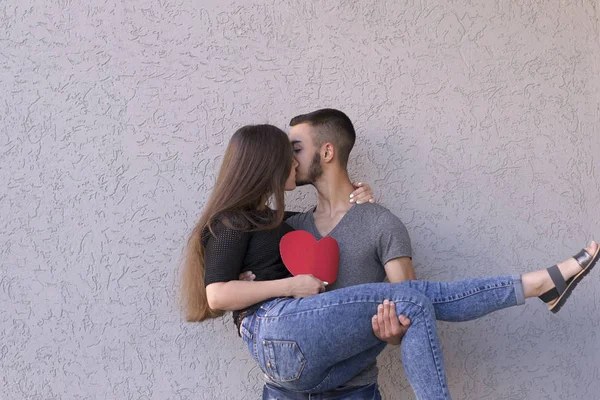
(568, 269)
(555, 284)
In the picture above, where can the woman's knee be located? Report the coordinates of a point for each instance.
(410, 301)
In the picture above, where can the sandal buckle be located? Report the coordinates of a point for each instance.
(583, 258)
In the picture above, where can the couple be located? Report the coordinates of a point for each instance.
(308, 340)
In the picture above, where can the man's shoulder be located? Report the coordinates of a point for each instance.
(377, 215)
(371, 210)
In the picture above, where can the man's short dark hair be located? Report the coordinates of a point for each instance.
(331, 126)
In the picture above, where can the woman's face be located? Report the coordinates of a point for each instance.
(290, 183)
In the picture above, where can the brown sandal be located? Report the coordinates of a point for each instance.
(557, 296)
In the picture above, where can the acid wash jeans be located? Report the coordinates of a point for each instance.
(317, 343)
(368, 392)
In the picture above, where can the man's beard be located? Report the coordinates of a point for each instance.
(314, 171)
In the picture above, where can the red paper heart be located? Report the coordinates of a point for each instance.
(302, 254)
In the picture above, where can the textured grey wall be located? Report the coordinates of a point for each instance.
(479, 126)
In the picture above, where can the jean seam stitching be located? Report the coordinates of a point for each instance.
(255, 337)
(429, 334)
(303, 360)
(472, 294)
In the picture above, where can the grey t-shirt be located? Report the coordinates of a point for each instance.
(369, 236)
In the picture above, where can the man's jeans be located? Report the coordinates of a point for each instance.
(317, 343)
(370, 392)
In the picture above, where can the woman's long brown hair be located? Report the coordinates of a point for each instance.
(256, 165)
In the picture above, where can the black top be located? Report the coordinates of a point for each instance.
(229, 252)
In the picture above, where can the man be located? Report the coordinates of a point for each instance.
(373, 242)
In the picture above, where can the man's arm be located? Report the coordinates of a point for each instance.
(393, 238)
(386, 325)
(400, 269)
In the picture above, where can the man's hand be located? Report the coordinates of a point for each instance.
(247, 276)
(387, 326)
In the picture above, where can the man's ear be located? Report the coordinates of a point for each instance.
(328, 152)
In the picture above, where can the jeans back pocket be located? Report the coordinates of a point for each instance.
(284, 360)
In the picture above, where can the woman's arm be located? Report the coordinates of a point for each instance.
(237, 295)
(362, 194)
(223, 259)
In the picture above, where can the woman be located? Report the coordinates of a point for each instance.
(306, 340)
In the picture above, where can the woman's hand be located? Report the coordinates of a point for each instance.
(305, 285)
(362, 193)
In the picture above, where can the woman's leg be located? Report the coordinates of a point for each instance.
(317, 343)
(473, 298)
(421, 353)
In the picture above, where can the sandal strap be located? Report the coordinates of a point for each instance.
(557, 278)
(583, 258)
(550, 295)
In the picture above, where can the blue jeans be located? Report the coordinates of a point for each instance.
(317, 343)
(369, 392)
